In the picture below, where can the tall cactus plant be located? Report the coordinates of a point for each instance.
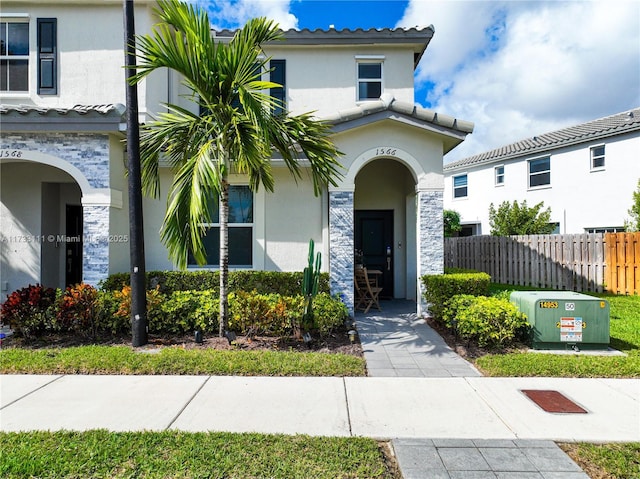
(310, 282)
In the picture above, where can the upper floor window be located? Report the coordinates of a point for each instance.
(278, 75)
(460, 186)
(369, 80)
(499, 175)
(539, 172)
(14, 56)
(240, 230)
(597, 157)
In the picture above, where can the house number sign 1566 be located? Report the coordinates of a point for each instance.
(386, 151)
(10, 154)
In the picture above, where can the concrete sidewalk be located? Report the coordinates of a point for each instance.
(455, 408)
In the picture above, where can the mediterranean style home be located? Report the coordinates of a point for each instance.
(64, 192)
(586, 173)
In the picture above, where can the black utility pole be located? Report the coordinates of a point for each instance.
(136, 233)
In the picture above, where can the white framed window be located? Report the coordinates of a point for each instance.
(498, 173)
(460, 186)
(14, 55)
(370, 79)
(240, 230)
(540, 172)
(597, 157)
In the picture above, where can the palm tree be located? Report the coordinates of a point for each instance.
(237, 131)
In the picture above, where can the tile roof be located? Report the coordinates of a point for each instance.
(620, 123)
(109, 109)
(419, 36)
(389, 103)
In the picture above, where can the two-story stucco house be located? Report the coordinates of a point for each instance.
(63, 160)
(585, 173)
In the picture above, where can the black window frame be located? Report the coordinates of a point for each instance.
(47, 44)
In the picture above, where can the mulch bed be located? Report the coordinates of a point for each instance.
(337, 342)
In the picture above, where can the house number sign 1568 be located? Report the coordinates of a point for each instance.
(386, 151)
(10, 154)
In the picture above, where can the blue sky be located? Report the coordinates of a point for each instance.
(514, 68)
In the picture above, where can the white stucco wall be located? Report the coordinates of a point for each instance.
(90, 42)
(579, 197)
(326, 81)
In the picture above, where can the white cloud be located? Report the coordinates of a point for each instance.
(235, 13)
(522, 68)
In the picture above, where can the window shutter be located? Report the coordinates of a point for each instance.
(47, 56)
(279, 75)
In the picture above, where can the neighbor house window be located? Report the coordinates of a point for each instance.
(279, 75)
(240, 230)
(499, 175)
(597, 157)
(14, 56)
(460, 186)
(369, 80)
(539, 172)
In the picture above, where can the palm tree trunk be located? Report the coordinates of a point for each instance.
(224, 256)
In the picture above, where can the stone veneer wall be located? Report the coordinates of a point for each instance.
(431, 238)
(89, 153)
(341, 245)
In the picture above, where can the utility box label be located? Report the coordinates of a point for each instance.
(571, 329)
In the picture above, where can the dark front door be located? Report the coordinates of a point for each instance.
(374, 238)
(73, 245)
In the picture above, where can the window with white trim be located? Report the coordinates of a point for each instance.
(597, 157)
(369, 80)
(240, 230)
(499, 175)
(460, 186)
(14, 56)
(540, 172)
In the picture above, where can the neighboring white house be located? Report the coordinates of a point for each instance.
(62, 157)
(586, 173)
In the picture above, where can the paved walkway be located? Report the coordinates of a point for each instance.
(397, 343)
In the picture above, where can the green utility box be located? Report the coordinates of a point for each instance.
(564, 320)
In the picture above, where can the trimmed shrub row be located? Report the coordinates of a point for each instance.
(34, 311)
(263, 282)
(460, 300)
(439, 288)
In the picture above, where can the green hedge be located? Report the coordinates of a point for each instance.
(264, 282)
(490, 321)
(179, 312)
(439, 288)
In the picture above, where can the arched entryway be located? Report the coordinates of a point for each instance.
(381, 178)
(41, 225)
(384, 225)
(55, 214)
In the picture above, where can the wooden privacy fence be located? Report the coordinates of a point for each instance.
(622, 275)
(574, 262)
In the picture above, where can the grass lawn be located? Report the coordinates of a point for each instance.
(173, 360)
(625, 337)
(103, 454)
(605, 461)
